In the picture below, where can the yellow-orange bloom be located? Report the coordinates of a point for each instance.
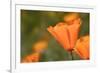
(82, 47)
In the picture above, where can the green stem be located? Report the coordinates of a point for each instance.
(72, 57)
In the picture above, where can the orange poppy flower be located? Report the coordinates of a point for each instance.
(82, 47)
(65, 33)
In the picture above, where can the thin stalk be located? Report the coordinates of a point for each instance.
(72, 57)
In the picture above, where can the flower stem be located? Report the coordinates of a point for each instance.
(72, 57)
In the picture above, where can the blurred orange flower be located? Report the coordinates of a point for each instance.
(31, 58)
(37, 47)
(72, 18)
(40, 46)
(65, 33)
(82, 47)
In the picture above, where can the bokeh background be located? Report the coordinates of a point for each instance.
(34, 26)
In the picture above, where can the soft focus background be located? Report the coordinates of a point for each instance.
(34, 26)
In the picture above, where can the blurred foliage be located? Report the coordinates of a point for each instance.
(34, 26)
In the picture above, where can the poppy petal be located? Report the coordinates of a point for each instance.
(73, 34)
(63, 36)
(82, 47)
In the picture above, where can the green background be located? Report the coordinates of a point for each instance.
(34, 25)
